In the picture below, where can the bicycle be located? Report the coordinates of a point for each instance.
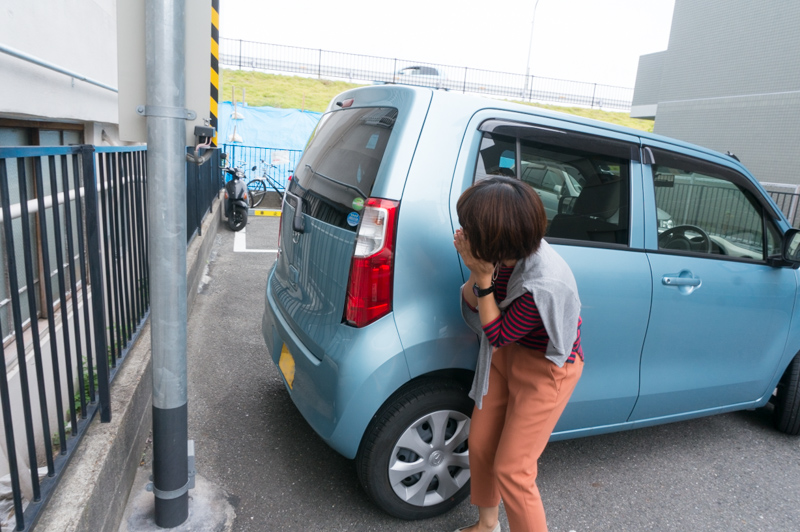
(257, 186)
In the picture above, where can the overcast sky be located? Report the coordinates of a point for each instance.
(597, 41)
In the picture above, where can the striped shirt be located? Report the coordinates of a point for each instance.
(521, 323)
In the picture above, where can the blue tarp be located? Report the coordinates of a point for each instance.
(267, 127)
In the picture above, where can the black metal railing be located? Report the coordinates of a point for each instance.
(122, 176)
(272, 164)
(202, 186)
(75, 248)
(75, 263)
(239, 54)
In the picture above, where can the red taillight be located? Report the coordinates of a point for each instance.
(369, 292)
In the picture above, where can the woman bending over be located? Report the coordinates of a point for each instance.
(521, 298)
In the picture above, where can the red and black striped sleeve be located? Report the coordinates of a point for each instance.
(519, 320)
(577, 349)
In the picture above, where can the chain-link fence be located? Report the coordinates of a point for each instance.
(367, 69)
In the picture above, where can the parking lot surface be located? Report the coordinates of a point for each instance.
(724, 473)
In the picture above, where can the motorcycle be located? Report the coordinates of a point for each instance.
(236, 203)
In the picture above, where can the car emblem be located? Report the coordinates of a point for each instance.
(437, 457)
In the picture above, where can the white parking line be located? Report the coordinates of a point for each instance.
(240, 244)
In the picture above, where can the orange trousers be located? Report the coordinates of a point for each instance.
(527, 394)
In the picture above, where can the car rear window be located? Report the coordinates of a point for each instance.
(338, 168)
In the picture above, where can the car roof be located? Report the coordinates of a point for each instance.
(471, 104)
(424, 70)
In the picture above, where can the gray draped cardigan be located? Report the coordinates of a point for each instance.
(550, 281)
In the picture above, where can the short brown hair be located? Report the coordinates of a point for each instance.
(502, 218)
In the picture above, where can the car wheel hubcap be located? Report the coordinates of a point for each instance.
(436, 458)
(430, 461)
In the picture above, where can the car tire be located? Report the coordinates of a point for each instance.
(426, 424)
(787, 402)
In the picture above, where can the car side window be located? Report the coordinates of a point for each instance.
(497, 156)
(583, 180)
(703, 209)
(774, 240)
(552, 182)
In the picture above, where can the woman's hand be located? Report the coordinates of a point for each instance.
(481, 273)
(480, 269)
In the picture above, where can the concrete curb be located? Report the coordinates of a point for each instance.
(199, 249)
(94, 491)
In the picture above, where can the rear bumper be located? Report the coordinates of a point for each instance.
(339, 394)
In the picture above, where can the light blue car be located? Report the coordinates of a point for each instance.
(362, 306)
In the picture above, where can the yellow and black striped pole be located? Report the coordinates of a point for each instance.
(214, 68)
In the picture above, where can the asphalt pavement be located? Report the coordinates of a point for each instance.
(731, 472)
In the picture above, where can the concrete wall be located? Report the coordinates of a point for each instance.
(732, 47)
(763, 131)
(78, 35)
(648, 85)
(730, 80)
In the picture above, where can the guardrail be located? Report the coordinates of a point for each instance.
(371, 69)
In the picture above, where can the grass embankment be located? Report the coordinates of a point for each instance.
(285, 92)
(310, 94)
(622, 119)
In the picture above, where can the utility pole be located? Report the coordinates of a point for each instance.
(530, 46)
(166, 155)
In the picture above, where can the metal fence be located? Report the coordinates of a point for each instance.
(371, 69)
(202, 186)
(272, 164)
(64, 282)
(722, 211)
(75, 262)
(719, 210)
(788, 203)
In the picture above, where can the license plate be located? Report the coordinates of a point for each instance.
(286, 364)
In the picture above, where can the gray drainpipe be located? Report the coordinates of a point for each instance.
(36, 61)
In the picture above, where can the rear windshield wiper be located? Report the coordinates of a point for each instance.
(332, 180)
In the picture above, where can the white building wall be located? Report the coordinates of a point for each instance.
(77, 35)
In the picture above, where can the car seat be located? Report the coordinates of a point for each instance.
(596, 216)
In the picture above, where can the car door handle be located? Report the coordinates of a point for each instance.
(670, 280)
(684, 281)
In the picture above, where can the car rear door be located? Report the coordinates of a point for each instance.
(602, 242)
(720, 314)
(352, 153)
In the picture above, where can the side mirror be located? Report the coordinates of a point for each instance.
(254, 168)
(223, 156)
(790, 249)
